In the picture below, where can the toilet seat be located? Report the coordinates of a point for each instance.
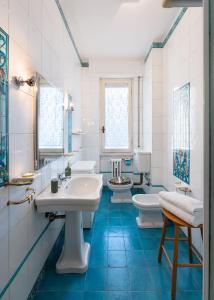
(146, 201)
(119, 187)
(121, 192)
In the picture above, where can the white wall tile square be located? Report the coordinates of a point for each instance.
(4, 14)
(183, 62)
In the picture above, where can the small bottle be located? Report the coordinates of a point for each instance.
(54, 185)
(68, 170)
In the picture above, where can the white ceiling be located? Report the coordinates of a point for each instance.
(117, 28)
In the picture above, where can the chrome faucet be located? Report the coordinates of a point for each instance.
(61, 177)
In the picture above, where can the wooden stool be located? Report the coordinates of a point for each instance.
(174, 264)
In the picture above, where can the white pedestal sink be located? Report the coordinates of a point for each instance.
(80, 193)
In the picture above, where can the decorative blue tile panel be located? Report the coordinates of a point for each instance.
(181, 165)
(181, 133)
(3, 107)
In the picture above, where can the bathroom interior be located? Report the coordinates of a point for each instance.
(102, 150)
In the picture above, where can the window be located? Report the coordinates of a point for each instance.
(116, 115)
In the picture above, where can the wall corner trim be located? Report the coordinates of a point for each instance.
(160, 45)
(82, 63)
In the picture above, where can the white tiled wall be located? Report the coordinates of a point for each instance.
(183, 63)
(152, 113)
(91, 103)
(38, 43)
(179, 62)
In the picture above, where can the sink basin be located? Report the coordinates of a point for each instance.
(80, 193)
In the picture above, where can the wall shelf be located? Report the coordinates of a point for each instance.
(78, 133)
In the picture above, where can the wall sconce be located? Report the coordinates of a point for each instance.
(70, 106)
(19, 81)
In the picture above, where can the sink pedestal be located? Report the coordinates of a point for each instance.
(75, 253)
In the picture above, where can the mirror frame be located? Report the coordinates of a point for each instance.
(36, 139)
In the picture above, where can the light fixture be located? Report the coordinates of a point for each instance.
(19, 81)
(70, 107)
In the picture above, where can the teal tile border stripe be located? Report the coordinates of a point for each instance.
(2, 292)
(160, 45)
(82, 63)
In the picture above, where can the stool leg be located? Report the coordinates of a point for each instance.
(190, 243)
(162, 239)
(175, 262)
(201, 229)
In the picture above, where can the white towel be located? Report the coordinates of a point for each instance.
(186, 203)
(192, 219)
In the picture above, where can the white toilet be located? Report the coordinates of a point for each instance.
(150, 215)
(121, 190)
(85, 167)
(119, 185)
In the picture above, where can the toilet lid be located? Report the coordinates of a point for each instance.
(147, 200)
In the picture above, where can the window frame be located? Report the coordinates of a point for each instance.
(116, 82)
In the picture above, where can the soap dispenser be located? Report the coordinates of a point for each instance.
(68, 170)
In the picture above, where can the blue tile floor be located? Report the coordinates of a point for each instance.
(123, 263)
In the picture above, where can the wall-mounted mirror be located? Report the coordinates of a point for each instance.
(50, 113)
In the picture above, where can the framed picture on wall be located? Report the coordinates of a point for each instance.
(3, 108)
(181, 133)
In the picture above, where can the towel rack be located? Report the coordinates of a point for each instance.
(182, 188)
(28, 198)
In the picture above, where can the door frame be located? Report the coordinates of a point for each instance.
(208, 107)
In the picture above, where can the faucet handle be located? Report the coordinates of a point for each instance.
(31, 189)
(59, 176)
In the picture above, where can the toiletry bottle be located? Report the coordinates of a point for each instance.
(68, 170)
(54, 185)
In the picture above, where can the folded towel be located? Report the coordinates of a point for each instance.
(192, 219)
(186, 203)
